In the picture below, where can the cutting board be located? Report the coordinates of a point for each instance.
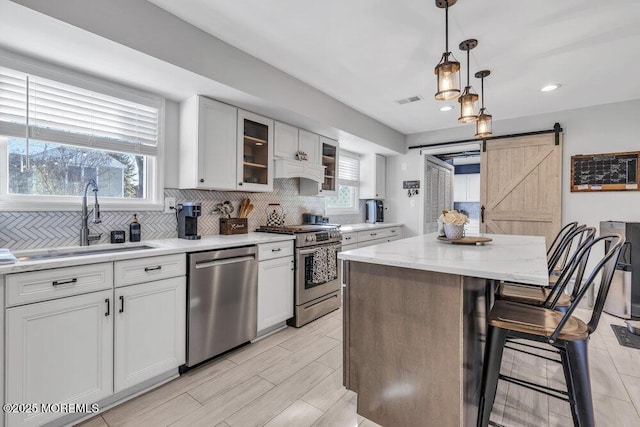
(467, 240)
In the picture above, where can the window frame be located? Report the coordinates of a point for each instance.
(154, 190)
(355, 209)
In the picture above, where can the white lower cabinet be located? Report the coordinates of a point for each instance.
(275, 291)
(149, 330)
(59, 351)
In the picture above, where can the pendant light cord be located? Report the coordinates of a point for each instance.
(468, 65)
(446, 28)
(482, 92)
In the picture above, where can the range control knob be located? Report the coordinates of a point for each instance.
(311, 238)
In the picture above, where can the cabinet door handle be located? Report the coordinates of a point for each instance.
(239, 183)
(201, 179)
(121, 304)
(393, 231)
(373, 234)
(347, 238)
(276, 250)
(148, 269)
(65, 282)
(108, 301)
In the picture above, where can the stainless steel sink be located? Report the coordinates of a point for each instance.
(79, 252)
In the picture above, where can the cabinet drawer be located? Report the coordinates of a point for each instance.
(24, 288)
(349, 238)
(395, 232)
(275, 250)
(147, 269)
(377, 233)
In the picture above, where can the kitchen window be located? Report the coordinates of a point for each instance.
(58, 130)
(346, 201)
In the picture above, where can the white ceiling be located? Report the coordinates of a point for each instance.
(369, 53)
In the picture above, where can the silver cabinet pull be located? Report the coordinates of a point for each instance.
(148, 269)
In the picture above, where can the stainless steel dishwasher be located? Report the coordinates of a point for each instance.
(222, 298)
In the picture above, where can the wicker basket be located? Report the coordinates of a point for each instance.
(230, 226)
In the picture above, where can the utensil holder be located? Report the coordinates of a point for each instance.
(230, 226)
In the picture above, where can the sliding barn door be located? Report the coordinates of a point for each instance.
(521, 186)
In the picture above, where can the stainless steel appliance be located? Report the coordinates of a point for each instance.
(308, 218)
(374, 211)
(313, 297)
(188, 214)
(624, 295)
(222, 297)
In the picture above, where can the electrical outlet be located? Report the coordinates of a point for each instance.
(169, 202)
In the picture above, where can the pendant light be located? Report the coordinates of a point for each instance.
(483, 125)
(446, 70)
(468, 100)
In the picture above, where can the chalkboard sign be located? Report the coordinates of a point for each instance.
(605, 172)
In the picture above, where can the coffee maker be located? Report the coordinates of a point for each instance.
(375, 211)
(188, 213)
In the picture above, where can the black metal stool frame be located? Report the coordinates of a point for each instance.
(574, 354)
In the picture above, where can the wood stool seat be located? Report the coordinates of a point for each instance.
(529, 295)
(538, 321)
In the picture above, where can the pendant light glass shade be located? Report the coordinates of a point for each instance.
(447, 70)
(448, 78)
(483, 125)
(468, 106)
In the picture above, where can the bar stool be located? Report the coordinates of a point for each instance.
(556, 247)
(572, 272)
(566, 333)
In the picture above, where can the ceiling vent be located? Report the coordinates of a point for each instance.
(409, 100)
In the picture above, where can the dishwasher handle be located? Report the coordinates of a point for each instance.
(226, 261)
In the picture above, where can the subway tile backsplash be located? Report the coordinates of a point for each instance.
(30, 230)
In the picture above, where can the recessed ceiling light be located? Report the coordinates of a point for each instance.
(549, 88)
(446, 108)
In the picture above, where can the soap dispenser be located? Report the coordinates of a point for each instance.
(134, 229)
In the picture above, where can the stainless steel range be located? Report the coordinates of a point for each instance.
(317, 281)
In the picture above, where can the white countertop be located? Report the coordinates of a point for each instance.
(348, 228)
(160, 247)
(511, 258)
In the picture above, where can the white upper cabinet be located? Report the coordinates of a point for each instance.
(466, 187)
(289, 140)
(255, 152)
(208, 132)
(309, 143)
(285, 141)
(372, 176)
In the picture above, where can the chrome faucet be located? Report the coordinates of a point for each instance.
(85, 236)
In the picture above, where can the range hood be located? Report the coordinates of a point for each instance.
(287, 168)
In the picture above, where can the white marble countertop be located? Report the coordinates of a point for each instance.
(512, 258)
(348, 228)
(159, 247)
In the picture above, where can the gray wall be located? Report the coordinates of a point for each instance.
(601, 129)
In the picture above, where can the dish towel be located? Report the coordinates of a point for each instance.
(325, 265)
(6, 257)
(319, 269)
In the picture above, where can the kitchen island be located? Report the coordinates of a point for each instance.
(414, 323)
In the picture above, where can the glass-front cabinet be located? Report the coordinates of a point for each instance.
(255, 152)
(330, 160)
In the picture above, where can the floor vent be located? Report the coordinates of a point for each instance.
(409, 100)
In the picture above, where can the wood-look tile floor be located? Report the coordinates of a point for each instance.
(294, 378)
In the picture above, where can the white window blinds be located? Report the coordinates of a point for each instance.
(53, 111)
(349, 169)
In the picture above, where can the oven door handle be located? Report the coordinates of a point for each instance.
(307, 251)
